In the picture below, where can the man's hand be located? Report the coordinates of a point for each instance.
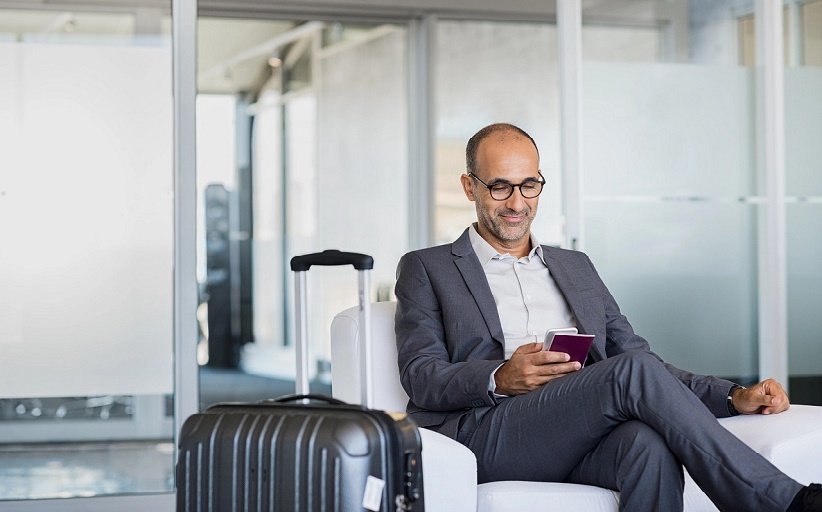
(767, 397)
(530, 368)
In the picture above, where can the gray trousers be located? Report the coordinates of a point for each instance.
(627, 424)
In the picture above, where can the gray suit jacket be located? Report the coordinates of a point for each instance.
(450, 340)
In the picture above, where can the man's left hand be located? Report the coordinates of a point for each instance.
(767, 397)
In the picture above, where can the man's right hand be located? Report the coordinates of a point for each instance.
(530, 368)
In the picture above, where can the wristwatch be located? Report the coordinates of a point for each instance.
(731, 409)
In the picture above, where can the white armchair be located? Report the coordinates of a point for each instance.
(792, 440)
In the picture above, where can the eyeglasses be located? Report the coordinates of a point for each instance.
(502, 190)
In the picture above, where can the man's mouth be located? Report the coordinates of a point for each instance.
(513, 218)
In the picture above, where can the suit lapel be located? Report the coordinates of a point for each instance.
(474, 277)
(570, 290)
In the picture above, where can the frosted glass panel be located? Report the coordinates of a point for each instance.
(669, 154)
(803, 131)
(85, 220)
(684, 275)
(803, 143)
(805, 289)
(668, 129)
(489, 72)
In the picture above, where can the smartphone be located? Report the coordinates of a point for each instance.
(549, 336)
(573, 344)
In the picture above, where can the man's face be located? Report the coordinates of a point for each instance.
(504, 159)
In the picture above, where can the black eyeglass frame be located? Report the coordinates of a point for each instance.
(541, 182)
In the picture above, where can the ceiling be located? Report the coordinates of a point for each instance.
(233, 54)
(233, 49)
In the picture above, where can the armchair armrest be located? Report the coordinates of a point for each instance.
(449, 472)
(792, 440)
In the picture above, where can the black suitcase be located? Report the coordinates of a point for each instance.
(303, 452)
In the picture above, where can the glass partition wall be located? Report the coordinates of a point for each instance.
(670, 194)
(86, 259)
(803, 176)
(675, 195)
(319, 120)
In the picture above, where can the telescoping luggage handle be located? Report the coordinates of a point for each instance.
(364, 264)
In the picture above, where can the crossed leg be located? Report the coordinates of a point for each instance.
(635, 460)
(561, 431)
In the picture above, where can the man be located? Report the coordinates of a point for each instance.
(470, 321)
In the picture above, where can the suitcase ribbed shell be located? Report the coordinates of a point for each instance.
(296, 457)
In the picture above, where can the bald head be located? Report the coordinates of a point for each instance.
(500, 131)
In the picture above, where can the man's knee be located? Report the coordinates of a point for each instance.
(642, 446)
(636, 434)
(638, 363)
(640, 358)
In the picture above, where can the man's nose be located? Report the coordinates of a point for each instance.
(516, 201)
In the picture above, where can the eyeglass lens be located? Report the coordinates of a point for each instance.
(528, 189)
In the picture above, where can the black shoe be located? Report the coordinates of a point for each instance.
(809, 499)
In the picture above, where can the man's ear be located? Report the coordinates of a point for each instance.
(468, 186)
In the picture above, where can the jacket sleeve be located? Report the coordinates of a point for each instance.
(435, 374)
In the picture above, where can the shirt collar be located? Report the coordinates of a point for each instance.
(485, 252)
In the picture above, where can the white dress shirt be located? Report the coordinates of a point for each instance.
(528, 300)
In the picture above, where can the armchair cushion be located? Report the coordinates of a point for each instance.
(544, 496)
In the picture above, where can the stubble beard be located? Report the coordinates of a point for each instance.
(503, 230)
